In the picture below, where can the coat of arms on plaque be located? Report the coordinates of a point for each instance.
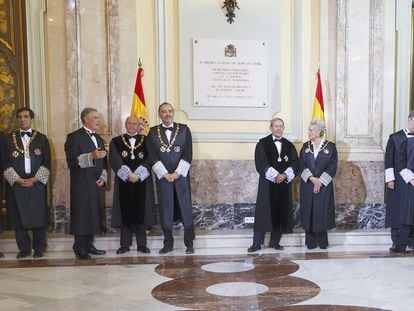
(230, 51)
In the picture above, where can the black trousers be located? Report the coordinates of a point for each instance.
(258, 238)
(23, 239)
(126, 236)
(189, 236)
(82, 243)
(313, 239)
(24, 242)
(405, 231)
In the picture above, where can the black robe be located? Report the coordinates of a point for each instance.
(2, 160)
(395, 142)
(133, 203)
(318, 209)
(85, 201)
(182, 149)
(405, 160)
(274, 215)
(27, 205)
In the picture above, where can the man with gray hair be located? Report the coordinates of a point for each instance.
(86, 159)
(277, 163)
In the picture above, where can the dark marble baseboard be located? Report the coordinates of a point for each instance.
(233, 216)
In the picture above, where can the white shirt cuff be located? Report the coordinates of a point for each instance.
(407, 175)
(142, 172)
(389, 174)
(271, 174)
(159, 169)
(183, 168)
(124, 172)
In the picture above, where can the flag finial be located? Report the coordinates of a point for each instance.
(139, 62)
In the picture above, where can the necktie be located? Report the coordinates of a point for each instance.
(168, 129)
(132, 136)
(91, 134)
(277, 139)
(26, 133)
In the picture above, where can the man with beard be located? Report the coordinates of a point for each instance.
(133, 208)
(170, 150)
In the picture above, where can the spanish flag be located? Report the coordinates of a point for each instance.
(139, 109)
(318, 108)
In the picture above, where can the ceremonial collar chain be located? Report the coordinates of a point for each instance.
(164, 146)
(132, 148)
(323, 145)
(27, 146)
(124, 140)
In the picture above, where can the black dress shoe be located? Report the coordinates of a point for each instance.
(313, 246)
(1, 255)
(122, 250)
(399, 250)
(23, 254)
(83, 255)
(278, 247)
(189, 250)
(165, 250)
(94, 251)
(143, 249)
(254, 248)
(323, 246)
(37, 254)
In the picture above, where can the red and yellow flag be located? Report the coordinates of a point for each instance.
(139, 109)
(318, 108)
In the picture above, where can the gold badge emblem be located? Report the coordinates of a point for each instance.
(177, 149)
(286, 158)
(140, 155)
(326, 151)
(15, 154)
(37, 152)
(124, 154)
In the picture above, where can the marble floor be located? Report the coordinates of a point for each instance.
(354, 277)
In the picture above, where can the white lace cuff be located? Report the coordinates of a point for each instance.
(85, 160)
(407, 175)
(325, 179)
(159, 169)
(389, 174)
(306, 174)
(183, 168)
(271, 174)
(11, 176)
(104, 176)
(124, 172)
(42, 174)
(289, 175)
(142, 172)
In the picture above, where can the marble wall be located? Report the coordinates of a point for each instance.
(224, 193)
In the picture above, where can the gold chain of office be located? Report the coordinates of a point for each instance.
(167, 147)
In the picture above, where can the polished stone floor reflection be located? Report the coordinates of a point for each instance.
(337, 279)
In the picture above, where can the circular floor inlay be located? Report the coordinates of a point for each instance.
(228, 267)
(237, 289)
